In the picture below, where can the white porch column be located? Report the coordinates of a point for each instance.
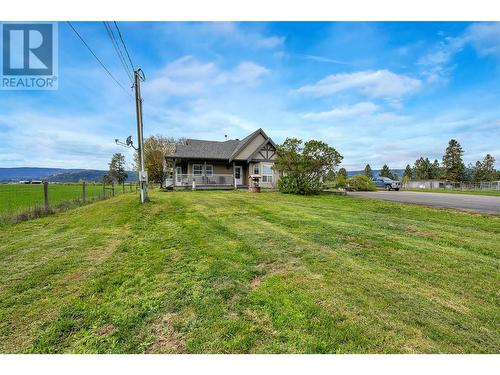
(234, 176)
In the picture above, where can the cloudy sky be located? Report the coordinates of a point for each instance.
(378, 92)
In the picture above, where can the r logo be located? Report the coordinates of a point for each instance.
(27, 49)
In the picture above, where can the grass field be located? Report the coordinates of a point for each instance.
(233, 272)
(492, 193)
(15, 198)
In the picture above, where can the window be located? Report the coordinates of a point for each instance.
(256, 169)
(198, 169)
(209, 170)
(267, 173)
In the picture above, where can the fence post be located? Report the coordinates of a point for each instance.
(123, 187)
(46, 195)
(113, 188)
(83, 192)
(103, 190)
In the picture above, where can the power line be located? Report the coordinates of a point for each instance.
(124, 46)
(97, 58)
(119, 52)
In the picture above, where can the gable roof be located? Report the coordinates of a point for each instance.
(224, 150)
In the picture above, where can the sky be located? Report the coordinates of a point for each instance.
(379, 93)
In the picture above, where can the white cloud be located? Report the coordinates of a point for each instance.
(374, 84)
(358, 109)
(323, 59)
(485, 37)
(188, 76)
(224, 33)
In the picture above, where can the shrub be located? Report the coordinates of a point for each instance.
(295, 185)
(361, 182)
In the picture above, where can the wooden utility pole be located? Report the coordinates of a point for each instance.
(143, 177)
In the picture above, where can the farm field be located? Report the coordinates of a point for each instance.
(233, 272)
(15, 198)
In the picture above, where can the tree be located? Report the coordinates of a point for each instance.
(368, 171)
(488, 166)
(117, 168)
(453, 165)
(385, 171)
(304, 165)
(434, 170)
(408, 173)
(421, 169)
(107, 180)
(342, 172)
(156, 149)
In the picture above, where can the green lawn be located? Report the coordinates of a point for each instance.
(493, 193)
(233, 272)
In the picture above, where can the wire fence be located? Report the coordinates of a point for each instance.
(443, 184)
(20, 202)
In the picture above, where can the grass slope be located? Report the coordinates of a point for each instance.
(219, 272)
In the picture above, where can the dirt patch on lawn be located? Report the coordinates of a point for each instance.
(167, 340)
(415, 231)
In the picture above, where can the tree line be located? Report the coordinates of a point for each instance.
(452, 167)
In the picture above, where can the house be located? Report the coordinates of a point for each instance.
(228, 164)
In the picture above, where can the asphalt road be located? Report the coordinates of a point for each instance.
(476, 203)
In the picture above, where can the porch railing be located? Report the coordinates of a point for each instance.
(213, 180)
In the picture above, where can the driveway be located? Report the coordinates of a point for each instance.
(476, 203)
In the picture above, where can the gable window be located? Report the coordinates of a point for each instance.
(209, 170)
(256, 169)
(198, 169)
(267, 173)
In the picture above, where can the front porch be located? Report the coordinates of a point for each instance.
(208, 175)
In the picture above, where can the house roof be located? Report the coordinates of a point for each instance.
(224, 150)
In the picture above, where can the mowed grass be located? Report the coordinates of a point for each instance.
(234, 272)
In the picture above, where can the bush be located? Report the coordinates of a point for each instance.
(294, 185)
(361, 182)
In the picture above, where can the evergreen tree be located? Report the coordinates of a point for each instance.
(117, 168)
(408, 173)
(368, 171)
(342, 172)
(434, 170)
(489, 168)
(453, 165)
(385, 171)
(421, 169)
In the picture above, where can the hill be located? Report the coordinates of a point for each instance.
(55, 174)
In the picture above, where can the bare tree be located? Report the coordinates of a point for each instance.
(156, 149)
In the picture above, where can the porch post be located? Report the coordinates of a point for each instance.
(174, 175)
(234, 176)
(205, 172)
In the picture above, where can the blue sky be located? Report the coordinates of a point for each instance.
(378, 92)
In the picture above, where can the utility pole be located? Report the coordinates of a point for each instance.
(143, 176)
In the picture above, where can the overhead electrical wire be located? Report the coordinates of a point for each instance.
(98, 60)
(124, 46)
(119, 52)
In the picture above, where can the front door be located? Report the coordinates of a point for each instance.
(238, 175)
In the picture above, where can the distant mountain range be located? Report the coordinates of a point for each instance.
(55, 174)
(398, 172)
